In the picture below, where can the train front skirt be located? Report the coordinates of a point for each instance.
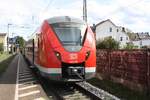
(70, 75)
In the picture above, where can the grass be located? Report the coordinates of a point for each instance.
(6, 59)
(119, 90)
(3, 56)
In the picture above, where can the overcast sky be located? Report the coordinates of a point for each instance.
(26, 15)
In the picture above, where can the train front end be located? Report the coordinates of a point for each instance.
(72, 53)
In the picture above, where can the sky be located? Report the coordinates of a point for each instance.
(24, 16)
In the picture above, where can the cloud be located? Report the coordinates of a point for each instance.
(133, 14)
(128, 13)
(136, 16)
(73, 8)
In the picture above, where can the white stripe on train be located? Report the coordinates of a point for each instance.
(59, 70)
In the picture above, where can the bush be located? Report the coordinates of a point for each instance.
(107, 43)
(1, 48)
(130, 46)
(145, 47)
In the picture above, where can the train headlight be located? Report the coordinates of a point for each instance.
(75, 70)
(58, 55)
(87, 55)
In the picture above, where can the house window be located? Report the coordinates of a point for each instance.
(110, 29)
(121, 38)
(123, 29)
(117, 30)
(126, 38)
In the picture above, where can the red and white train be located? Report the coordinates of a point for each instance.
(63, 50)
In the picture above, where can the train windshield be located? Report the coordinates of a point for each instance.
(70, 33)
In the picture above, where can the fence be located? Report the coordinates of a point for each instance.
(128, 67)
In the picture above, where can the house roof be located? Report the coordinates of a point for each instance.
(104, 22)
(3, 34)
(139, 36)
(143, 35)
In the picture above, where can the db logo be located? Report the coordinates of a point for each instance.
(73, 56)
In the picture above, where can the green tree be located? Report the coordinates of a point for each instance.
(107, 43)
(1, 47)
(145, 47)
(20, 41)
(132, 36)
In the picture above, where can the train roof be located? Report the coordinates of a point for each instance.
(65, 19)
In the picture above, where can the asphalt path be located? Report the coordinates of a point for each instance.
(12, 89)
(8, 81)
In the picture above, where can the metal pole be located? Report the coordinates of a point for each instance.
(33, 45)
(8, 37)
(148, 70)
(85, 10)
(13, 43)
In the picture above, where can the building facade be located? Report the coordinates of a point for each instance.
(108, 29)
(3, 39)
(141, 39)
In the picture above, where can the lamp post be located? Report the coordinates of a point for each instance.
(13, 44)
(8, 36)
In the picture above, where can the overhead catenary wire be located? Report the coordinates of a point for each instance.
(31, 27)
(44, 10)
(47, 7)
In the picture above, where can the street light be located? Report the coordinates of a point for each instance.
(8, 36)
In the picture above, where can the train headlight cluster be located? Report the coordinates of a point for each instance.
(75, 70)
(87, 55)
(58, 55)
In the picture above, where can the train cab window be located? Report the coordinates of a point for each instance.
(70, 33)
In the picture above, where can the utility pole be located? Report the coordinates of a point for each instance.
(8, 36)
(84, 10)
(13, 35)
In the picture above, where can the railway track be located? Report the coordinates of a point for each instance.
(77, 91)
(69, 92)
(96, 92)
(61, 91)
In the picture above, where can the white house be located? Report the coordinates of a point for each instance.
(108, 28)
(141, 43)
(141, 39)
